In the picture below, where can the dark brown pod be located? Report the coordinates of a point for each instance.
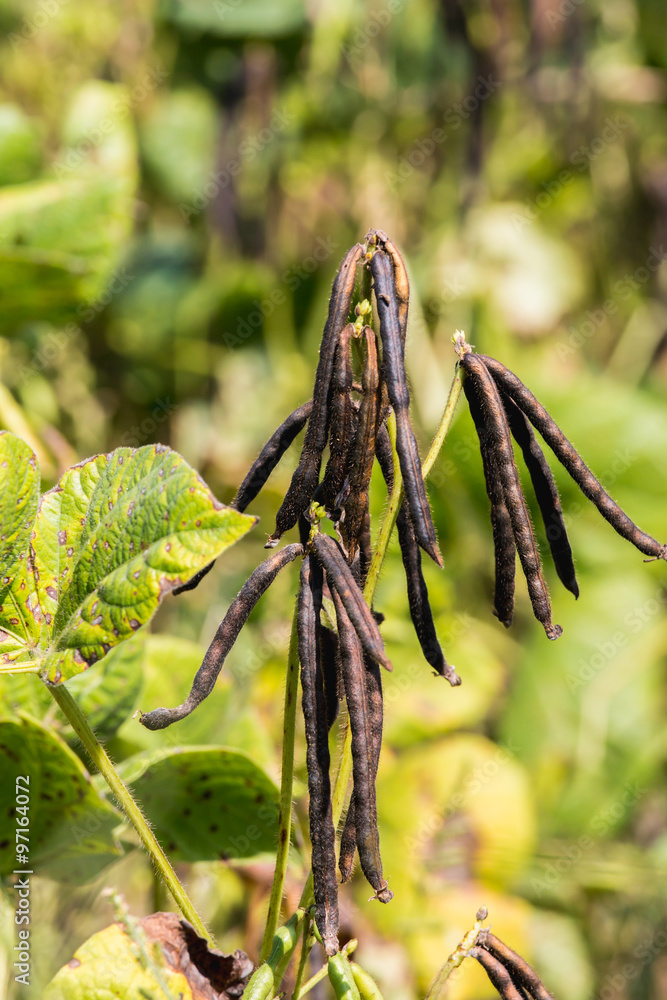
(340, 577)
(270, 455)
(546, 494)
(503, 535)
(501, 444)
(322, 833)
(418, 599)
(365, 809)
(224, 638)
(519, 969)
(305, 478)
(393, 373)
(568, 456)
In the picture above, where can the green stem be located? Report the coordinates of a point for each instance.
(286, 793)
(102, 762)
(303, 957)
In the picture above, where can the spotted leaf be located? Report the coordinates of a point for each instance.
(116, 534)
(19, 495)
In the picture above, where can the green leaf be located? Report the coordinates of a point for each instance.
(206, 803)
(20, 147)
(110, 964)
(61, 239)
(70, 826)
(19, 497)
(116, 534)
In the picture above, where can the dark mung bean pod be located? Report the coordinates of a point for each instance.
(329, 654)
(401, 282)
(418, 599)
(393, 372)
(304, 480)
(322, 833)
(567, 454)
(365, 808)
(224, 639)
(546, 494)
(340, 577)
(517, 966)
(270, 455)
(343, 423)
(363, 450)
(501, 523)
(501, 444)
(497, 973)
(374, 708)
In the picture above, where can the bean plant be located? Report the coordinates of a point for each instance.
(85, 565)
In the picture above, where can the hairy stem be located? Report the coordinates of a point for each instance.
(303, 958)
(456, 957)
(286, 793)
(102, 762)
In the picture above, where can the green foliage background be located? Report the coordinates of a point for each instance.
(178, 182)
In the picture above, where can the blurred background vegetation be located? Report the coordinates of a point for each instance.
(179, 181)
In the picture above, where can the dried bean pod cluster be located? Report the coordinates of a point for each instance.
(502, 407)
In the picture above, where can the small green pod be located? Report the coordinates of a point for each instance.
(260, 984)
(368, 988)
(284, 943)
(342, 979)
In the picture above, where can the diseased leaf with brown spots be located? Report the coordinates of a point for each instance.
(70, 826)
(19, 495)
(116, 534)
(206, 803)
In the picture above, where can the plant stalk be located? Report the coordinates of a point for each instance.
(102, 762)
(286, 793)
(456, 957)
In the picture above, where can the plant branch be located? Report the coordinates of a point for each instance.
(103, 763)
(457, 956)
(286, 792)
